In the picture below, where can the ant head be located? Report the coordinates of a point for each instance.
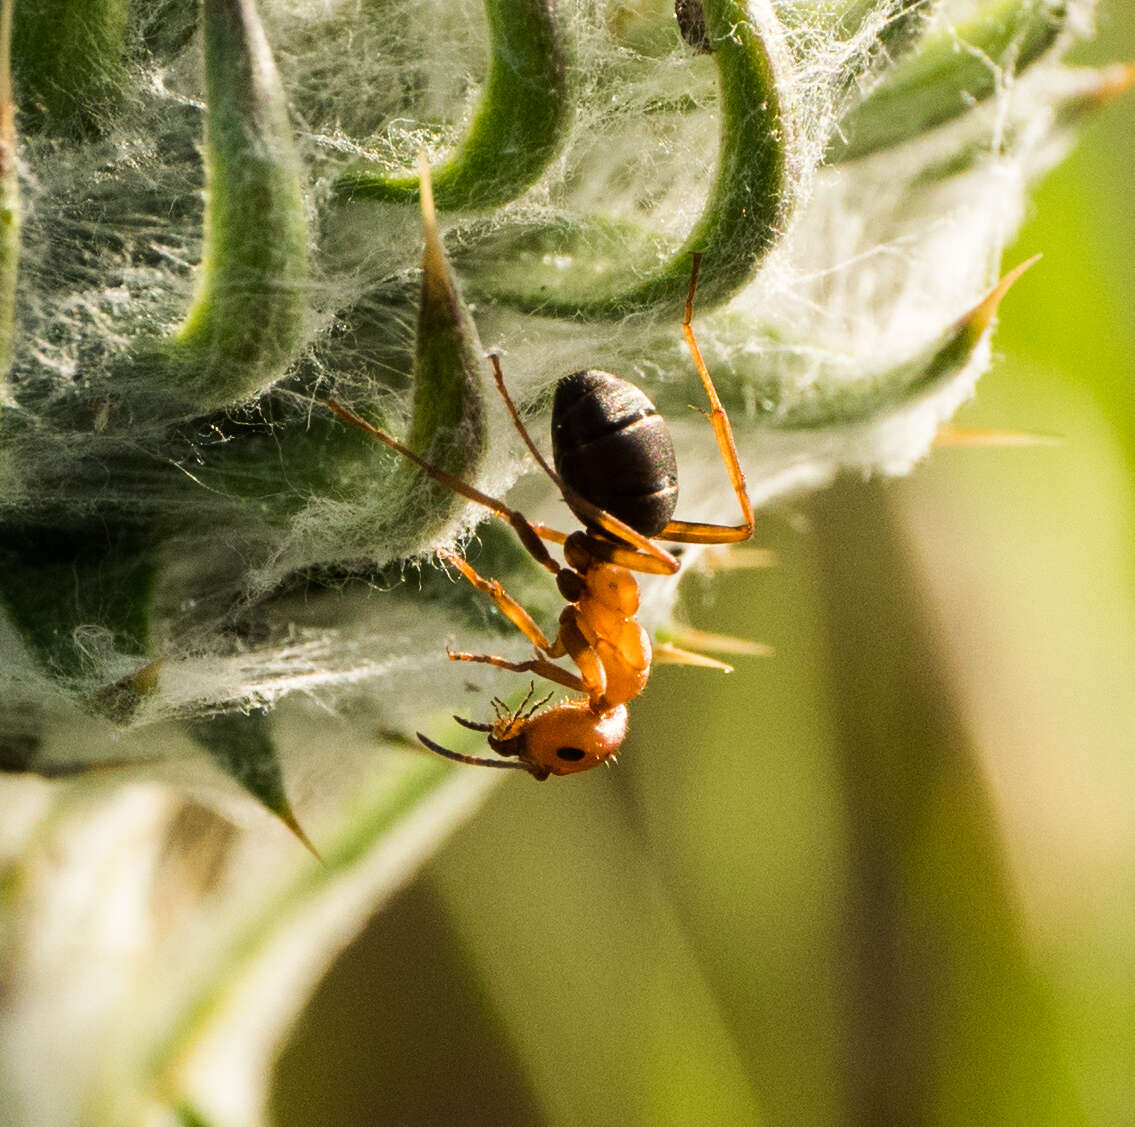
(563, 740)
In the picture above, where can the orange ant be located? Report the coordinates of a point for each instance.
(616, 471)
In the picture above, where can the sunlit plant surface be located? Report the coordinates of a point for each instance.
(206, 575)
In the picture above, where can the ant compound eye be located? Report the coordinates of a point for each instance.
(570, 754)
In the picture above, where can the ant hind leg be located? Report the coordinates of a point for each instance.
(688, 532)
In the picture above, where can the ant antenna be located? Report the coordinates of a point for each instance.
(473, 725)
(506, 764)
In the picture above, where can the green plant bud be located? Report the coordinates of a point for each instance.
(208, 578)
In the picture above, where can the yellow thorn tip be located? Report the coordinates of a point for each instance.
(433, 259)
(1114, 81)
(981, 316)
(949, 435)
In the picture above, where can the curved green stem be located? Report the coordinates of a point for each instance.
(752, 192)
(519, 127)
(246, 319)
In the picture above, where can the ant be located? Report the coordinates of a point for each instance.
(615, 469)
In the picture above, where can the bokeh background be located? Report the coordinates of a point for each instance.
(886, 876)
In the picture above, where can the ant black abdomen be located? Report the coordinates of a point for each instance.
(613, 448)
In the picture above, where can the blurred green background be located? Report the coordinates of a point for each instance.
(884, 877)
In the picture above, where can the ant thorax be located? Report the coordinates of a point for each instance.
(605, 615)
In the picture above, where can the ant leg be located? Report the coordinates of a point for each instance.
(570, 641)
(529, 533)
(511, 609)
(665, 563)
(539, 665)
(688, 532)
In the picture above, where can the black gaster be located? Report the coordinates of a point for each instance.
(612, 446)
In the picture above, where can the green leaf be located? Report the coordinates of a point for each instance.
(241, 745)
(746, 209)
(953, 69)
(246, 320)
(519, 127)
(68, 58)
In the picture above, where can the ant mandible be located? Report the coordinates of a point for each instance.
(615, 469)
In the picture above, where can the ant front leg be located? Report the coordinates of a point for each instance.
(509, 607)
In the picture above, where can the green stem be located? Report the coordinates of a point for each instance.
(520, 125)
(751, 196)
